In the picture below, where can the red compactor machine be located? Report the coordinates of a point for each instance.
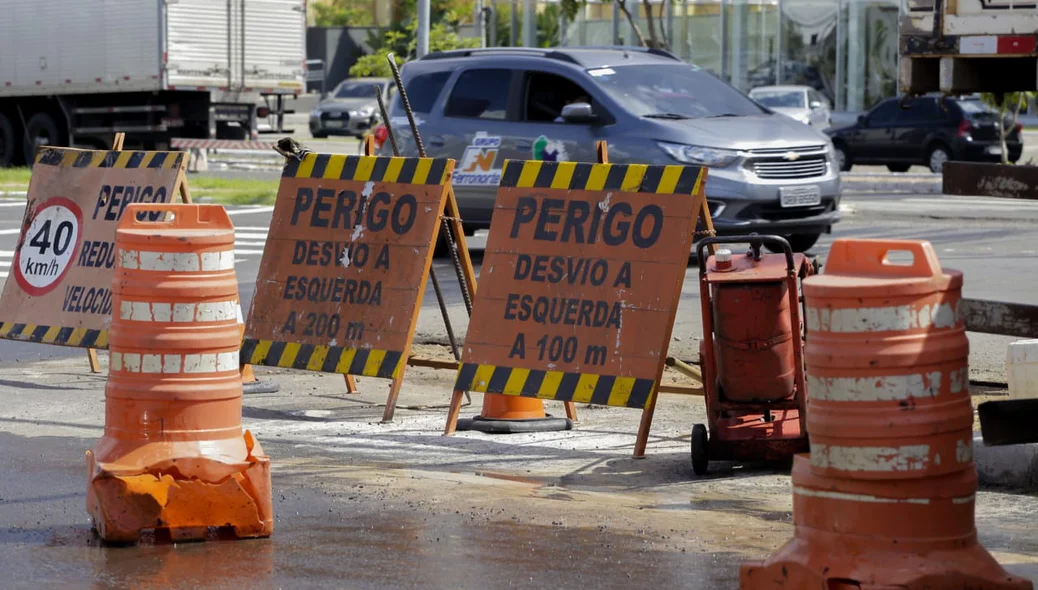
(752, 353)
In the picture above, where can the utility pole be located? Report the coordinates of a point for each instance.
(423, 28)
(513, 31)
(529, 23)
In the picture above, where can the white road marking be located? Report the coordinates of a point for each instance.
(10, 232)
(247, 252)
(12, 203)
(250, 242)
(260, 209)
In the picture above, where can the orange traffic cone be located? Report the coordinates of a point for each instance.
(885, 499)
(174, 457)
(512, 414)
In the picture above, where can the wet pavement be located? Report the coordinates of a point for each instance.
(322, 539)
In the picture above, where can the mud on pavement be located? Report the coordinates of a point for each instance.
(360, 504)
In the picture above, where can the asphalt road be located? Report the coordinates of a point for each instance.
(990, 240)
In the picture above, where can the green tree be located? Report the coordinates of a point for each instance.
(1009, 105)
(443, 36)
(343, 13)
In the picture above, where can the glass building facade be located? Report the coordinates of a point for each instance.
(847, 49)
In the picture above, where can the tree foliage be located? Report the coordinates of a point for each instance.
(343, 13)
(403, 43)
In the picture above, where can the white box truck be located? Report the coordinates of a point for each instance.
(966, 46)
(75, 72)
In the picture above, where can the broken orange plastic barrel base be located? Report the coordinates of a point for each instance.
(904, 535)
(512, 414)
(174, 458)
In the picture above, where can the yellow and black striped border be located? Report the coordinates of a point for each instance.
(327, 359)
(560, 386)
(72, 158)
(370, 168)
(79, 337)
(631, 178)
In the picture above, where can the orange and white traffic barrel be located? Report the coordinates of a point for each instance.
(885, 499)
(174, 456)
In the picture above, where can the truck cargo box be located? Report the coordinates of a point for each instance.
(962, 46)
(228, 47)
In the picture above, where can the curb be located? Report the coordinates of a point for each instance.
(1008, 466)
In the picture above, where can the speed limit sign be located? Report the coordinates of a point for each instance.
(49, 246)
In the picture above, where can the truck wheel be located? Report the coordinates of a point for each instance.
(40, 130)
(700, 451)
(7, 144)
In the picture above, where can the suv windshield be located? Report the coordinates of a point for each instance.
(672, 91)
(356, 90)
(779, 98)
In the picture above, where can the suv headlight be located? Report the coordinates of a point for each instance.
(364, 112)
(702, 156)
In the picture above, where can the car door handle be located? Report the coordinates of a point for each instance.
(523, 145)
(435, 141)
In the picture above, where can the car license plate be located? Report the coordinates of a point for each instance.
(994, 150)
(800, 196)
(333, 124)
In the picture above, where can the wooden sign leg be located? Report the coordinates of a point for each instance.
(453, 412)
(394, 395)
(351, 385)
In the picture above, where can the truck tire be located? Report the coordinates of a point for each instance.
(7, 143)
(42, 126)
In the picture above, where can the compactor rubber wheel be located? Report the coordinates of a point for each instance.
(700, 450)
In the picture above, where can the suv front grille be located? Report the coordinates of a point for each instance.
(774, 163)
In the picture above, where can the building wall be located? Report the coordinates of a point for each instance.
(847, 49)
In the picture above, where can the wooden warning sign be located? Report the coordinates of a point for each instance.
(344, 269)
(581, 281)
(59, 290)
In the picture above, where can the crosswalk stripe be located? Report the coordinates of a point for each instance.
(249, 235)
(10, 232)
(250, 243)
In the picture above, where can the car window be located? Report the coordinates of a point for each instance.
(546, 94)
(780, 98)
(672, 91)
(921, 110)
(480, 94)
(422, 92)
(884, 114)
(356, 90)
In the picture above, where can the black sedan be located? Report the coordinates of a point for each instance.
(925, 131)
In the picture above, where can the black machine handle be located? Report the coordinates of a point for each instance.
(755, 241)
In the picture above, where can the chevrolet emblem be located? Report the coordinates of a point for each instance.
(791, 156)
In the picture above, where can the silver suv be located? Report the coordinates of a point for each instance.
(768, 173)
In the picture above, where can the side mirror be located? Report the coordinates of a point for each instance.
(815, 105)
(578, 112)
(863, 120)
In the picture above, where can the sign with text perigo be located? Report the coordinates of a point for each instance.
(59, 288)
(345, 265)
(581, 281)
